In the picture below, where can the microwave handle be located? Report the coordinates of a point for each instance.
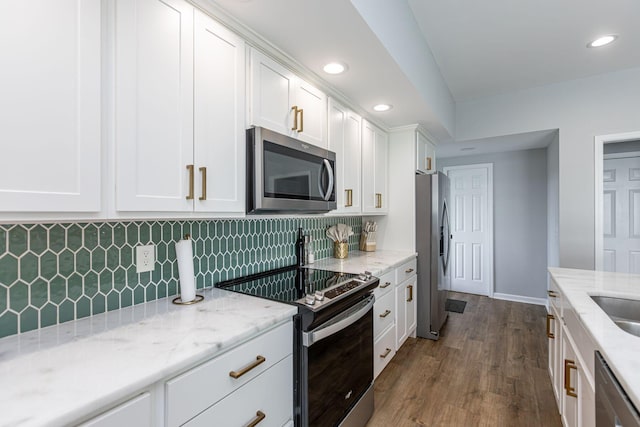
(329, 170)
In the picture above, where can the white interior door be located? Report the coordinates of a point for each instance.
(621, 214)
(471, 215)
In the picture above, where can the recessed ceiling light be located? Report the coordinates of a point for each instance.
(382, 107)
(603, 41)
(467, 148)
(335, 68)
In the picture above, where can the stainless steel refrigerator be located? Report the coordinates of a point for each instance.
(433, 239)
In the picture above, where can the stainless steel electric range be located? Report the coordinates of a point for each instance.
(332, 342)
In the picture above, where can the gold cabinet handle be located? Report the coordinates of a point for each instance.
(386, 353)
(409, 271)
(203, 173)
(295, 117)
(301, 120)
(349, 195)
(428, 162)
(410, 293)
(378, 200)
(241, 372)
(190, 195)
(385, 314)
(385, 285)
(552, 294)
(259, 417)
(550, 334)
(568, 365)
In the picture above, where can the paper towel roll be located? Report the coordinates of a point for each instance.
(184, 254)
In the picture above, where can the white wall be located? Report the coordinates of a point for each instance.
(396, 28)
(580, 109)
(520, 219)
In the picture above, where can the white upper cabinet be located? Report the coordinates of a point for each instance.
(284, 103)
(154, 104)
(344, 139)
(179, 110)
(375, 167)
(50, 106)
(219, 106)
(425, 154)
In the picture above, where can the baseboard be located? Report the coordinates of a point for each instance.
(520, 298)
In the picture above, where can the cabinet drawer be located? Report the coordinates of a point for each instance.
(269, 394)
(405, 271)
(554, 296)
(194, 391)
(387, 282)
(383, 351)
(136, 411)
(585, 347)
(383, 313)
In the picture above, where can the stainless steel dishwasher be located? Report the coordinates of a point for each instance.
(613, 407)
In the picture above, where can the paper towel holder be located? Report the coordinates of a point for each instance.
(178, 300)
(198, 298)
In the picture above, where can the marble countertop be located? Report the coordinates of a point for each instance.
(619, 348)
(378, 262)
(57, 375)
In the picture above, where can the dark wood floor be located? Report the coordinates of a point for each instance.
(489, 368)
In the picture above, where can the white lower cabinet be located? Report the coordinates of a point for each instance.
(383, 313)
(405, 310)
(383, 350)
(202, 387)
(571, 366)
(267, 399)
(134, 412)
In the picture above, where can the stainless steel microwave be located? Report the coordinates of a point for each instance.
(288, 175)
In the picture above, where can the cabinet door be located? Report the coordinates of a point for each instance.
(555, 353)
(353, 160)
(425, 154)
(401, 316)
(375, 149)
(344, 140)
(135, 412)
(272, 94)
(411, 300)
(569, 375)
(50, 105)
(154, 104)
(219, 137)
(313, 117)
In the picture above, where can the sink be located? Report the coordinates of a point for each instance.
(625, 313)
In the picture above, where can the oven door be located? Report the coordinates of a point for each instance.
(340, 363)
(289, 175)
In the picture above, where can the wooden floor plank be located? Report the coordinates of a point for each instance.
(489, 368)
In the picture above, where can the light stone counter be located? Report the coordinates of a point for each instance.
(378, 262)
(619, 348)
(58, 375)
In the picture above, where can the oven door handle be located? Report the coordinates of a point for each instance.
(339, 323)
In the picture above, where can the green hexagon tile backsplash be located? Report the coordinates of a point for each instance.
(54, 273)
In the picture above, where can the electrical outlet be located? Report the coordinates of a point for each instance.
(145, 258)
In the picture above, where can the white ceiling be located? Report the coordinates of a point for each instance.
(482, 48)
(488, 47)
(498, 144)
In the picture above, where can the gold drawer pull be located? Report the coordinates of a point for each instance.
(386, 313)
(386, 353)
(409, 271)
(552, 294)
(203, 172)
(190, 195)
(241, 372)
(568, 365)
(385, 285)
(295, 117)
(410, 293)
(259, 417)
(550, 334)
